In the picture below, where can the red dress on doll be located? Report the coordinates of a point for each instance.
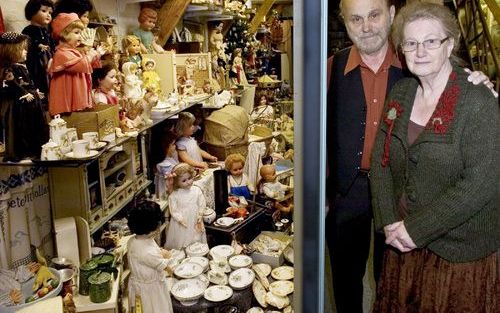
(71, 84)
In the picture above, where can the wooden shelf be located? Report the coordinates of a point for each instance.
(115, 168)
(92, 184)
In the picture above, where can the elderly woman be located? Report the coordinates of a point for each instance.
(434, 177)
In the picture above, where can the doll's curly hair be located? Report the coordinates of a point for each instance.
(145, 218)
(233, 158)
(181, 169)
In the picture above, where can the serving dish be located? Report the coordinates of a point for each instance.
(188, 270)
(221, 251)
(281, 288)
(188, 291)
(240, 261)
(200, 260)
(197, 249)
(241, 278)
(218, 293)
(282, 273)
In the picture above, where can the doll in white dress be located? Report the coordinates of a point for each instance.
(132, 85)
(187, 205)
(148, 262)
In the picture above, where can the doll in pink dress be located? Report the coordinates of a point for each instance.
(71, 85)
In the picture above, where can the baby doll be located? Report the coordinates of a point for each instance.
(41, 45)
(164, 168)
(187, 147)
(132, 48)
(147, 21)
(132, 85)
(272, 188)
(237, 182)
(71, 85)
(150, 79)
(187, 205)
(147, 261)
(21, 114)
(104, 82)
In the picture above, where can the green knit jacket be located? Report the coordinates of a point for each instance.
(449, 175)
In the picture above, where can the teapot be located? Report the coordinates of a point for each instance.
(50, 151)
(58, 129)
(209, 216)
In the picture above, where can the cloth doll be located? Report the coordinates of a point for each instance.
(41, 45)
(164, 168)
(132, 47)
(71, 85)
(21, 110)
(237, 180)
(187, 147)
(150, 79)
(132, 85)
(187, 205)
(148, 263)
(147, 21)
(104, 82)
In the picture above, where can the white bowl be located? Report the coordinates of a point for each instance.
(188, 291)
(197, 249)
(240, 261)
(241, 278)
(202, 261)
(221, 252)
(218, 293)
(188, 270)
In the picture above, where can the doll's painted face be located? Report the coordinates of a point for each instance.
(134, 48)
(149, 66)
(148, 24)
(263, 100)
(24, 53)
(185, 181)
(109, 81)
(189, 130)
(43, 17)
(74, 37)
(85, 18)
(237, 169)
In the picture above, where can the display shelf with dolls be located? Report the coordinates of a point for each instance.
(150, 78)
(187, 205)
(237, 181)
(147, 21)
(41, 46)
(271, 188)
(22, 112)
(131, 45)
(71, 85)
(104, 81)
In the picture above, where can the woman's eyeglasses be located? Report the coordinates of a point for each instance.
(429, 44)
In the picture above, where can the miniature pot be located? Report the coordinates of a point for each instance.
(209, 216)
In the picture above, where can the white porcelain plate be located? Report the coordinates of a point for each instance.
(281, 287)
(221, 251)
(224, 221)
(218, 293)
(264, 268)
(188, 270)
(282, 273)
(240, 261)
(197, 249)
(241, 278)
(255, 309)
(92, 153)
(188, 291)
(202, 261)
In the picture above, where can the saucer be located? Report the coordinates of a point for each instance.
(99, 145)
(92, 154)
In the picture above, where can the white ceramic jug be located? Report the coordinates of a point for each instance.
(50, 151)
(58, 129)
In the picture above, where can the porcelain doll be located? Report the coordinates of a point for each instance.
(150, 78)
(164, 168)
(273, 189)
(41, 45)
(237, 70)
(132, 48)
(104, 81)
(187, 205)
(147, 21)
(132, 87)
(81, 7)
(71, 85)
(216, 39)
(187, 147)
(131, 119)
(237, 180)
(22, 114)
(149, 101)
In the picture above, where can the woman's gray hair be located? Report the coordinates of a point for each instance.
(418, 10)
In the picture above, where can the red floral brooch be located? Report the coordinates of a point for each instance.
(394, 112)
(445, 109)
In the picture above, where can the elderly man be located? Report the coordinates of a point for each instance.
(360, 78)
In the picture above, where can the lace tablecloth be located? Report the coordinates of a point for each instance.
(206, 184)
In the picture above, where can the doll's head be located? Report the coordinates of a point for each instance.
(237, 52)
(234, 164)
(129, 68)
(67, 28)
(131, 45)
(81, 7)
(104, 77)
(268, 173)
(39, 12)
(185, 123)
(12, 49)
(148, 64)
(184, 176)
(147, 18)
(168, 143)
(145, 218)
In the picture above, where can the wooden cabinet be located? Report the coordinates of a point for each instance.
(96, 190)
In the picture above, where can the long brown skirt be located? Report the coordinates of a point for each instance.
(422, 282)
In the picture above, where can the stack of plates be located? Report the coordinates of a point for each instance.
(197, 249)
(241, 278)
(240, 261)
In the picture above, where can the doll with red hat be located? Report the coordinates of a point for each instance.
(71, 85)
(21, 111)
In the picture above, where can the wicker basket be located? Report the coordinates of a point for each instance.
(221, 152)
